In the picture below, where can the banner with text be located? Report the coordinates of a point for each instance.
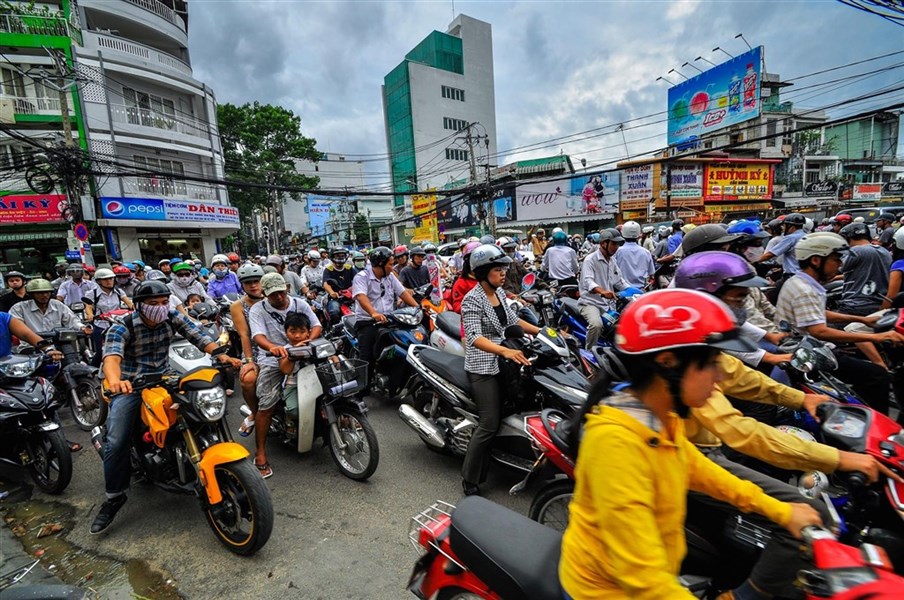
(423, 207)
(598, 193)
(738, 181)
(17, 209)
(318, 208)
(686, 181)
(636, 185)
(157, 209)
(867, 191)
(460, 212)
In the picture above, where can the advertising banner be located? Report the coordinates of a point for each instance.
(867, 191)
(686, 181)
(156, 209)
(636, 184)
(598, 193)
(726, 208)
(319, 214)
(739, 181)
(460, 212)
(725, 95)
(821, 188)
(424, 207)
(893, 188)
(31, 208)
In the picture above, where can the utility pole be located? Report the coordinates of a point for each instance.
(491, 208)
(59, 59)
(472, 160)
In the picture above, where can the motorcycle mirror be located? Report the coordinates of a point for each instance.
(784, 326)
(898, 301)
(528, 281)
(77, 307)
(514, 332)
(87, 301)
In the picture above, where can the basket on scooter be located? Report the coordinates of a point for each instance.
(346, 377)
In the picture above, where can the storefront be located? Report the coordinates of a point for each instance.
(33, 232)
(151, 229)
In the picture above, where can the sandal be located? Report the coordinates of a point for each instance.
(74, 446)
(246, 427)
(264, 470)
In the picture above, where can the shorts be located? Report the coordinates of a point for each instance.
(860, 327)
(290, 395)
(269, 387)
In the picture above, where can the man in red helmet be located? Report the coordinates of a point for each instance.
(235, 261)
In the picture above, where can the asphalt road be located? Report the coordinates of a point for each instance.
(332, 538)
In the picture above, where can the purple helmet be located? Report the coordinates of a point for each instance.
(712, 271)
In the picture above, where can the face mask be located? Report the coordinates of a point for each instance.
(154, 314)
(359, 264)
(122, 280)
(339, 260)
(740, 314)
(753, 253)
(220, 273)
(184, 280)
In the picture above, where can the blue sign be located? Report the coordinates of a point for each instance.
(725, 95)
(134, 209)
(318, 209)
(81, 232)
(73, 255)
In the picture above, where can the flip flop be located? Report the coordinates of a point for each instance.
(265, 470)
(246, 427)
(74, 446)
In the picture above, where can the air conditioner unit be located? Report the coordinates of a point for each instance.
(787, 149)
(7, 110)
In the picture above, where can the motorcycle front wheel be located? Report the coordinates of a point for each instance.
(550, 505)
(51, 461)
(358, 459)
(93, 409)
(243, 521)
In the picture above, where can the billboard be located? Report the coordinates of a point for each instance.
(458, 212)
(589, 195)
(318, 208)
(636, 187)
(423, 206)
(598, 192)
(739, 181)
(686, 181)
(725, 95)
(157, 209)
(868, 191)
(16, 209)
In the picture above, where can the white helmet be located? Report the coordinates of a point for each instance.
(555, 231)
(808, 225)
(647, 229)
(630, 230)
(313, 255)
(858, 220)
(898, 237)
(820, 243)
(103, 274)
(663, 230)
(219, 258)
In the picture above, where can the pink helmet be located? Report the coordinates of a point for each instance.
(469, 247)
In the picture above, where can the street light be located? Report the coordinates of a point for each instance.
(705, 59)
(678, 72)
(688, 64)
(664, 79)
(741, 35)
(719, 48)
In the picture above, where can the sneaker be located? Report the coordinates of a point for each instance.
(469, 489)
(107, 512)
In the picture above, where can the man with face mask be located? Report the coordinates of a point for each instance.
(222, 281)
(337, 277)
(312, 273)
(267, 318)
(76, 287)
(600, 280)
(60, 270)
(138, 346)
(184, 283)
(513, 277)
(15, 281)
(125, 282)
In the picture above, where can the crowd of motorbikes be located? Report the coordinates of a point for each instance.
(477, 549)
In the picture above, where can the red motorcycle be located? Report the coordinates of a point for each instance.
(485, 550)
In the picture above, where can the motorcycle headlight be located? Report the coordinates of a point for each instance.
(210, 404)
(188, 352)
(18, 367)
(407, 318)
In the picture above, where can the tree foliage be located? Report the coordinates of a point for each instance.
(362, 231)
(261, 143)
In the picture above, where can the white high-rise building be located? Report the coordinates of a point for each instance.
(442, 86)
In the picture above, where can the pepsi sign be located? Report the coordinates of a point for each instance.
(134, 209)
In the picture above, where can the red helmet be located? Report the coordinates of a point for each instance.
(233, 257)
(844, 219)
(400, 250)
(676, 318)
(121, 270)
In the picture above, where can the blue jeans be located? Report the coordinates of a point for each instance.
(120, 426)
(528, 315)
(334, 309)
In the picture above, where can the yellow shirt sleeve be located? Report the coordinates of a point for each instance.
(635, 552)
(753, 438)
(711, 479)
(741, 382)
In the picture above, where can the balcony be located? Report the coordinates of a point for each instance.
(147, 117)
(162, 187)
(35, 25)
(161, 10)
(127, 52)
(14, 109)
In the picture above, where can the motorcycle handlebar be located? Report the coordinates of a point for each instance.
(856, 479)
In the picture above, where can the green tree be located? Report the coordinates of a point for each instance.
(261, 143)
(362, 231)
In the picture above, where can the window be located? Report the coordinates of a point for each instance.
(149, 110)
(454, 124)
(456, 154)
(160, 185)
(453, 93)
(15, 156)
(771, 130)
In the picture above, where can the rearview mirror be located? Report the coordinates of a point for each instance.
(784, 326)
(528, 281)
(77, 307)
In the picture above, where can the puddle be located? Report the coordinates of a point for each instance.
(99, 576)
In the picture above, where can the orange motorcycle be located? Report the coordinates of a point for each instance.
(185, 446)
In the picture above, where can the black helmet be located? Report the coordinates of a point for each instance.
(379, 256)
(677, 223)
(150, 289)
(711, 234)
(796, 219)
(18, 274)
(855, 230)
(886, 216)
(418, 251)
(774, 224)
(203, 311)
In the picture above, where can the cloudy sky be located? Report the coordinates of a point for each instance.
(561, 67)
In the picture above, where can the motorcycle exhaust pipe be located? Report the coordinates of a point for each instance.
(245, 411)
(97, 440)
(429, 432)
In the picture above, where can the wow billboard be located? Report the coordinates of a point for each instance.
(725, 95)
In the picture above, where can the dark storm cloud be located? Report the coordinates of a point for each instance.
(560, 68)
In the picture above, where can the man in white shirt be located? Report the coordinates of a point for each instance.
(76, 287)
(600, 279)
(635, 261)
(560, 260)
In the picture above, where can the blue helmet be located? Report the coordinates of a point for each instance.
(559, 238)
(749, 227)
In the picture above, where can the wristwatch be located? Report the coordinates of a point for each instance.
(246, 360)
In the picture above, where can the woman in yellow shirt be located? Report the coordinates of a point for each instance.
(625, 537)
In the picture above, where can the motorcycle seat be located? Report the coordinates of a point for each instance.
(450, 324)
(514, 556)
(448, 366)
(570, 305)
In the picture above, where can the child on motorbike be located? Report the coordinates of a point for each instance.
(191, 300)
(298, 332)
(635, 466)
